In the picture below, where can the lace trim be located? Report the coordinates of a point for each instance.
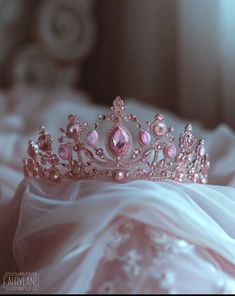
(139, 262)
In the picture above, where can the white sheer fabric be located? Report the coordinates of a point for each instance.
(138, 237)
(101, 237)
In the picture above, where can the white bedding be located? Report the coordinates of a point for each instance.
(75, 222)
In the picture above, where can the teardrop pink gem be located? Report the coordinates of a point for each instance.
(64, 152)
(202, 151)
(144, 138)
(92, 138)
(170, 151)
(33, 149)
(42, 142)
(119, 142)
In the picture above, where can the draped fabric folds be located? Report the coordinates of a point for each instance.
(101, 237)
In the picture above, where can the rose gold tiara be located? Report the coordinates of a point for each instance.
(148, 153)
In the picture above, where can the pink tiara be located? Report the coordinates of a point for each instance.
(148, 153)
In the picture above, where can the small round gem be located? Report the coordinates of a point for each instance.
(43, 142)
(159, 129)
(195, 177)
(54, 176)
(64, 152)
(99, 152)
(92, 138)
(204, 180)
(170, 151)
(144, 138)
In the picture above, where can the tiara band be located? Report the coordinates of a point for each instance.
(149, 153)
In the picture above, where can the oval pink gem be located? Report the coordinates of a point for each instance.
(170, 151)
(119, 142)
(144, 138)
(42, 142)
(64, 152)
(92, 138)
(33, 150)
(202, 151)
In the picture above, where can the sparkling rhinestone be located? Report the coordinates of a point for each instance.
(92, 138)
(188, 141)
(202, 150)
(144, 138)
(189, 127)
(170, 151)
(43, 142)
(64, 152)
(33, 149)
(119, 141)
(160, 116)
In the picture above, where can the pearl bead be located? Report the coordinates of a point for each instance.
(159, 129)
(119, 176)
(73, 130)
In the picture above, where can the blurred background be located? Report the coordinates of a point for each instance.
(175, 54)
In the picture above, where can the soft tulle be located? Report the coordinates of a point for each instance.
(139, 237)
(102, 237)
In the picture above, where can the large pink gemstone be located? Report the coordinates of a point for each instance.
(170, 151)
(144, 138)
(64, 152)
(119, 141)
(92, 138)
